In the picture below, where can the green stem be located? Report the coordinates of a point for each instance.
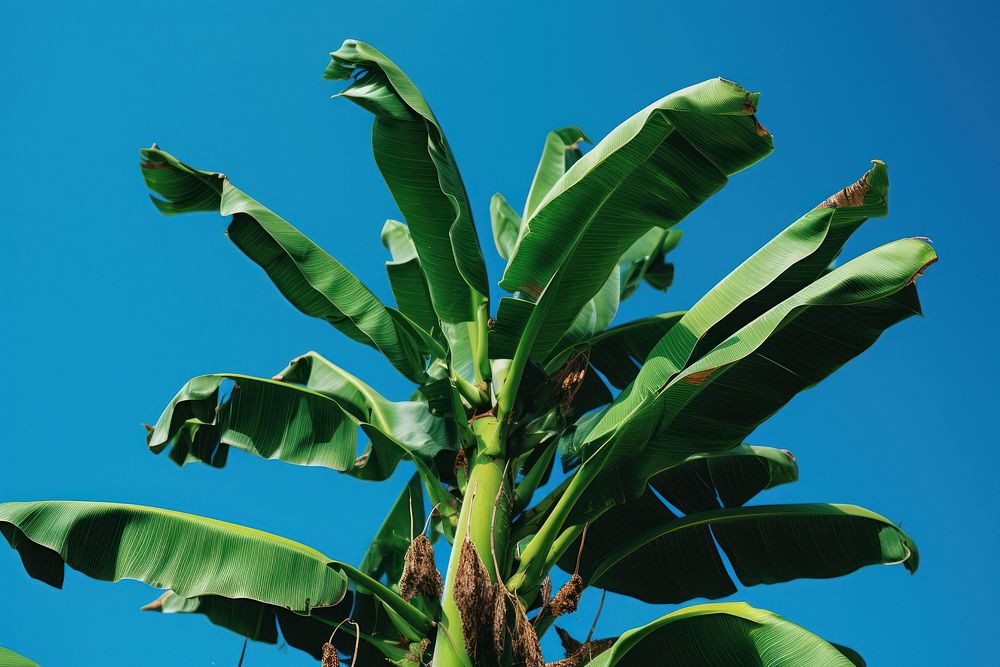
(416, 618)
(476, 397)
(536, 553)
(482, 357)
(526, 489)
(486, 479)
(505, 400)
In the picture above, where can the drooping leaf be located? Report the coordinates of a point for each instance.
(728, 479)
(309, 417)
(710, 481)
(384, 556)
(261, 622)
(189, 554)
(418, 166)
(10, 659)
(406, 278)
(850, 654)
(561, 151)
(642, 550)
(664, 416)
(313, 281)
(413, 427)
(506, 224)
(732, 634)
(650, 172)
(645, 261)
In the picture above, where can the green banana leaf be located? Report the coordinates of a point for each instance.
(261, 622)
(641, 549)
(728, 479)
(10, 659)
(850, 654)
(597, 314)
(789, 262)
(310, 418)
(506, 224)
(508, 326)
(645, 261)
(620, 352)
(732, 634)
(406, 278)
(313, 281)
(702, 482)
(416, 429)
(188, 554)
(561, 151)
(790, 347)
(405, 521)
(418, 166)
(651, 171)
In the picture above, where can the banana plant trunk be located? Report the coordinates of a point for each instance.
(484, 520)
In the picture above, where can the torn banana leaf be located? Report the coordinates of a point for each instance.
(313, 281)
(309, 417)
(261, 622)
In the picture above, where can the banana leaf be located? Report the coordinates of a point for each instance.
(419, 167)
(188, 554)
(729, 479)
(732, 634)
(310, 417)
(665, 416)
(644, 261)
(506, 224)
(641, 549)
(793, 259)
(651, 171)
(10, 659)
(384, 557)
(313, 281)
(560, 152)
(702, 482)
(406, 278)
(261, 622)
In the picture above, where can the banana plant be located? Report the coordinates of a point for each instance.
(552, 450)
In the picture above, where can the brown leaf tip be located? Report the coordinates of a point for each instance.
(920, 271)
(851, 196)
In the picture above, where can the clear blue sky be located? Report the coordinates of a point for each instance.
(109, 307)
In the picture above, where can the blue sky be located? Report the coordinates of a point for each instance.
(110, 307)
